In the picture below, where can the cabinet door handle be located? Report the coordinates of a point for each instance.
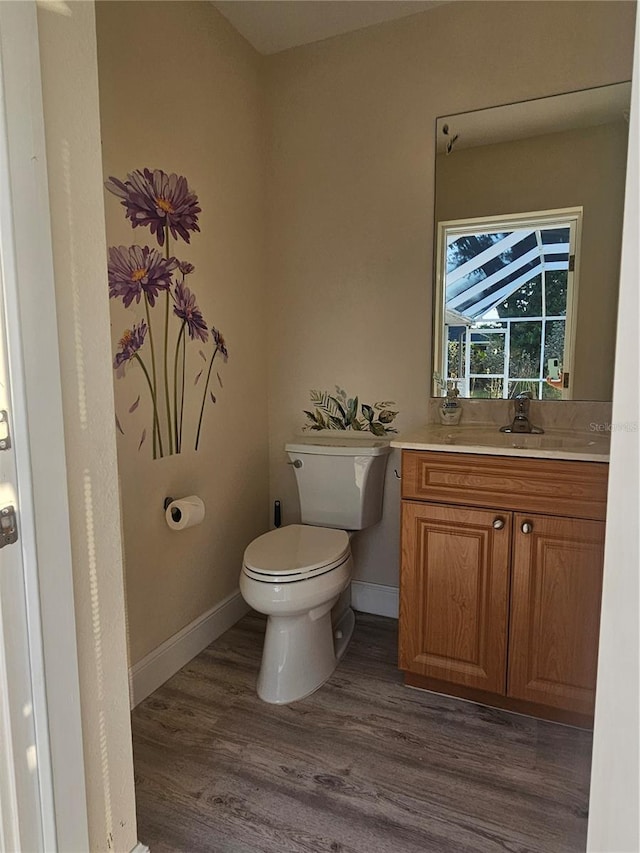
(527, 527)
(498, 524)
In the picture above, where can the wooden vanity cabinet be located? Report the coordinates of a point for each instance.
(556, 586)
(454, 594)
(501, 575)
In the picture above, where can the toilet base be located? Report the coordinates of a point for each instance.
(301, 652)
(343, 631)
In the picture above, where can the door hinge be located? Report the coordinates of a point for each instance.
(572, 263)
(8, 526)
(5, 443)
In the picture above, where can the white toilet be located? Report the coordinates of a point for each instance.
(296, 574)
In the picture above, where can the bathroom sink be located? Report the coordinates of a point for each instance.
(548, 441)
(578, 444)
(552, 440)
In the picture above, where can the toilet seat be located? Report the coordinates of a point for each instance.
(295, 553)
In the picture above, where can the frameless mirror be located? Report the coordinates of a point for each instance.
(528, 211)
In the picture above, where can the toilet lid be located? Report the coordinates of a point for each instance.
(296, 549)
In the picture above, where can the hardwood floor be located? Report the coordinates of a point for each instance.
(365, 765)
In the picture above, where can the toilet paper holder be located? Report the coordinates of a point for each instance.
(185, 512)
(176, 515)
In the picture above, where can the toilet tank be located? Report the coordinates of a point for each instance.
(340, 480)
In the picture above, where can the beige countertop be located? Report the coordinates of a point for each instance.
(579, 445)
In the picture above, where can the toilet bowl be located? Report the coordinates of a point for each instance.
(299, 575)
(295, 575)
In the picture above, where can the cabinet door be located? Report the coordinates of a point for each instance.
(555, 611)
(454, 592)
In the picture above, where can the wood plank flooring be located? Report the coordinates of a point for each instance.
(365, 765)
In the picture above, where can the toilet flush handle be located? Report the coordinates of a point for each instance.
(297, 463)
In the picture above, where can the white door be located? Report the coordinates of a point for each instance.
(42, 787)
(24, 773)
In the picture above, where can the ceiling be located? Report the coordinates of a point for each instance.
(275, 25)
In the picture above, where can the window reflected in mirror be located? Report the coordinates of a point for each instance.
(510, 293)
(521, 190)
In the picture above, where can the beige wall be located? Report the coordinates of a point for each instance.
(70, 94)
(350, 196)
(584, 168)
(180, 91)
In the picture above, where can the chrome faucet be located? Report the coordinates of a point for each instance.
(521, 422)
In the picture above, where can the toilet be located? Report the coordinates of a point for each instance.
(299, 575)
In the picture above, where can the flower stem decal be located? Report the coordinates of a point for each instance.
(166, 353)
(157, 439)
(221, 348)
(153, 400)
(178, 421)
(165, 205)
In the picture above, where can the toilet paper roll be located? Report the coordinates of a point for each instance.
(184, 512)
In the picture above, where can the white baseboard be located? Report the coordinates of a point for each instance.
(375, 598)
(160, 664)
(140, 848)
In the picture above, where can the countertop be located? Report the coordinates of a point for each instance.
(577, 445)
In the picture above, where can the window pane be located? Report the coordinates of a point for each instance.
(556, 293)
(524, 356)
(487, 353)
(521, 386)
(549, 393)
(554, 342)
(498, 267)
(467, 246)
(525, 302)
(502, 271)
(489, 326)
(489, 388)
(456, 352)
(556, 244)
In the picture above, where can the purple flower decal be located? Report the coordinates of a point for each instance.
(164, 203)
(220, 343)
(186, 308)
(158, 200)
(130, 343)
(136, 269)
(185, 267)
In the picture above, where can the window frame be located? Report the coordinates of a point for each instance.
(568, 216)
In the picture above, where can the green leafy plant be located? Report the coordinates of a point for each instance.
(340, 412)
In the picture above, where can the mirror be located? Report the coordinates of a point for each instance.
(528, 210)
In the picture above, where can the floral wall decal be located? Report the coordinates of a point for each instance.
(338, 411)
(144, 277)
